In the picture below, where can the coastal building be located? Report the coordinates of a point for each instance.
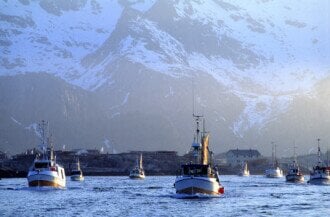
(239, 156)
(156, 154)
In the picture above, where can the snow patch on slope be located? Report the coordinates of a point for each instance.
(35, 128)
(259, 110)
(15, 121)
(142, 6)
(56, 44)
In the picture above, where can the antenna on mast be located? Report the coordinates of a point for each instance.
(193, 95)
(327, 157)
(319, 150)
(275, 163)
(294, 153)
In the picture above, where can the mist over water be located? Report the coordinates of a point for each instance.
(155, 196)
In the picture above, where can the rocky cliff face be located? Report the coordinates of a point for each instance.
(120, 74)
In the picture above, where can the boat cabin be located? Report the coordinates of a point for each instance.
(76, 172)
(137, 171)
(196, 170)
(42, 164)
(295, 170)
(323, 169)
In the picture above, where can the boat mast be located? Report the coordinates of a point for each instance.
(199, 137)
(206, 154)
(78, 164)
(327, 157)
(273, 154)
(50, 142)
(319, 152)
(197, 140)
(140, 166)
(295, 163)
(43, 131)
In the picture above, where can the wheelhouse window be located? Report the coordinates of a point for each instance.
(75, 173)
(196, 170)
(39, 165)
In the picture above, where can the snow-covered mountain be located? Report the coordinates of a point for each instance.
(250, 62)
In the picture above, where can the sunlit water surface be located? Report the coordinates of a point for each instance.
(155, 196)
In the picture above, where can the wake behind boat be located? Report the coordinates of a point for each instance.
(76, 173)
(321, 173)
(275, 171)
(44, 170)
(199, 177)
(138, 171)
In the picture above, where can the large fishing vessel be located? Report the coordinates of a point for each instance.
(76, 173)
(274, 171)
(44, 170)
(321, 173)
(294, 172)
(199, 177)
(138, 171)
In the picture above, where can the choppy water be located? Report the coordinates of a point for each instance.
(155, 196)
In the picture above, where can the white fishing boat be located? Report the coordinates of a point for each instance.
(244, 171)
(321, 173)
(44, 170)
(138, 171)
(275, 171)
(294, 173)
(76, 172)
(199, 177)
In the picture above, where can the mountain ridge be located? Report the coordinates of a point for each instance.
(250, 56)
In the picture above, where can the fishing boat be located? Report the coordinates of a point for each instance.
(137, 172)
(294, 173)
(76, 173)
(199, 177)
(44, 170)
(320, 175)
(275, 171)
(244, 171)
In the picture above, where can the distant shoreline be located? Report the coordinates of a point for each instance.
(23, 174)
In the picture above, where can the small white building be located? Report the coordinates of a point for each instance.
(239, 156)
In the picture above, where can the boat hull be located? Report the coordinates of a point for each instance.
(319, 179)
(77, 178)
(274, 173)
(45, 179)
(295, 178)
(197, 185)
(137, 176)
(244, 173)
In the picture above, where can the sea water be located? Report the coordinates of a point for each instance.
(155, 196)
